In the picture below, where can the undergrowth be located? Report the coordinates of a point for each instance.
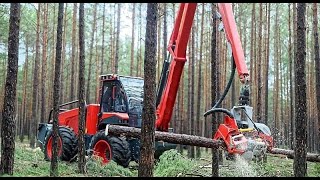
(30, 162)
(172, 163)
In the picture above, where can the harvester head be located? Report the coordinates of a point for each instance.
(258, 134)
(236, 143)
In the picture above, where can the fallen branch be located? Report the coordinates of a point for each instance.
(290, 154)
(167, 137)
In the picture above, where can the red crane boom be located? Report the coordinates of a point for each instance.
(177, 48)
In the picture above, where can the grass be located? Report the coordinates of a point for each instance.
(30, 162)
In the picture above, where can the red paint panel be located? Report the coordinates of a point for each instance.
(92, 118)
(232, 35)
(179, 38)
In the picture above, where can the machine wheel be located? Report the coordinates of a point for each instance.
(69, 142)
(110, 148)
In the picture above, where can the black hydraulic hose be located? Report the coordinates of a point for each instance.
(254, 125)
(233, 70)
(223, 110)
(163, 79)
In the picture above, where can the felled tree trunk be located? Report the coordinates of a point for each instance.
(167, 137)
(290, 154)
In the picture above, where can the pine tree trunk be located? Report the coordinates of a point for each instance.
(214, 122)
(132, 35)
(35, 96)
(189, 92)
(159, 46)
(116, 59)
(50, 92)
(9, 106)
(73, 52)
(91, 53)
(252, 48)
(165, 36)
(266, 83)
(300, 165)
(146, 162)
(259, 61)
(139, 59)
(24, 94)
(199, 99)
(102, 68)
(192, 59)
(63, 57)
(317, 69)
(44, 65)
(110, 62)
(81, 147)
(291, 83)
(56, 93)
(276, 80)
(290, 79)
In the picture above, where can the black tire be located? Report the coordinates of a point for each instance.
(120, 151)
(69, 144)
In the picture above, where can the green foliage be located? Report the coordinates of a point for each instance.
(173, 164)
(111, 169)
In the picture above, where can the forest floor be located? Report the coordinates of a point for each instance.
(30, 162)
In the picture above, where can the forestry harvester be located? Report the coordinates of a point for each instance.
(121, 100)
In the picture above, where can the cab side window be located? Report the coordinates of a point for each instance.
(120, 101)
(107, 98)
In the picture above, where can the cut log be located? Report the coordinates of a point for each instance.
(290, 154)
(168, 137)
(194, 140)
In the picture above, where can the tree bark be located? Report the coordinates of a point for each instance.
(24, 94)
(214, 122)
(116, 59)
(91, 53)
(189, 93)
(110, 62)
(317, 67)
(252, 49)
(294, 16)
(53, 32)
(192, 59)
(159, 57)
(63, 57)
(81, 148)
(132, 35)
(56, 95)
(146, 162)
(276, 79)
(73, 52)
(300, 165)
(259, 61)
(9, 106)
(266, 83)
(291, 83)
(102, 69)
(311, 157)
(199, 100)
(35, 85)
(165, 34)
(44, 64)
